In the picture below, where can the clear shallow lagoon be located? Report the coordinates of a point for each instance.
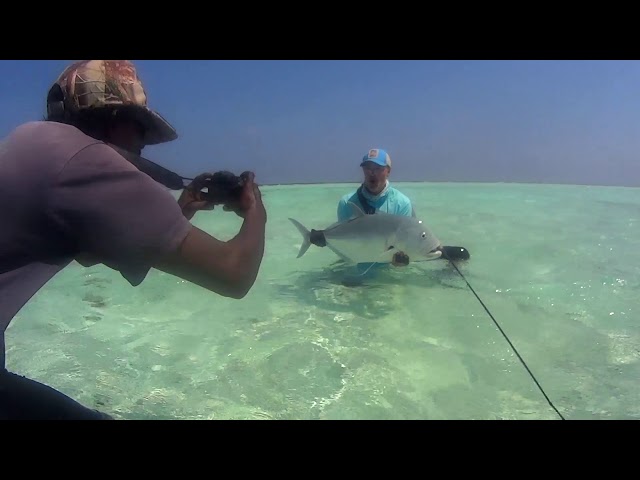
(558, 266)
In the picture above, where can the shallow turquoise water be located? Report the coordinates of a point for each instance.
(558, 267)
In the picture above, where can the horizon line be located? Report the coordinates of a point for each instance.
(458, 182)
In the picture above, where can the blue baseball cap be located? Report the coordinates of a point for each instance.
(377, 156)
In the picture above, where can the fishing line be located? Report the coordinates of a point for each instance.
(504, 334)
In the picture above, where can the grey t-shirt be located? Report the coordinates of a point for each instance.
(64, 194)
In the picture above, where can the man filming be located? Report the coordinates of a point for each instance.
(72, 192)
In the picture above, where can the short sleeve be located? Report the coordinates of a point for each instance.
(109, 209)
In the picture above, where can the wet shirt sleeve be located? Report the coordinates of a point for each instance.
(344, 210)
(405, 208)
(113, 212)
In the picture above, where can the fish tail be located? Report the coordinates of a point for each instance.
(306, 237)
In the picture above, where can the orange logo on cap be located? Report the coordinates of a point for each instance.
(373, 153)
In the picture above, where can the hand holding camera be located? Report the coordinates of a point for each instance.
(238, 194)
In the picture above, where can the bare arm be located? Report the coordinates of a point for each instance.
(227, 268)
(116, 215)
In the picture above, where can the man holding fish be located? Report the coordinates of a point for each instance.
(377, 225)
(376, 193)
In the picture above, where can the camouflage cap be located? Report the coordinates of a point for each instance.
(90, 84)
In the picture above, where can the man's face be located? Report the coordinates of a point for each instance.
(375, 177)
(127, 134)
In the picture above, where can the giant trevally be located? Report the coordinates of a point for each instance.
(373, 238)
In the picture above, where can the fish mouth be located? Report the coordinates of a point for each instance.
(434, 254)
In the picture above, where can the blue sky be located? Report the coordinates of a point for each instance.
(312, 121)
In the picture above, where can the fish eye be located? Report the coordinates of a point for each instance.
(424, 235)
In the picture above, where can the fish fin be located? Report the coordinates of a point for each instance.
(306, 237)
(377, 263)
(341, 255)
(357, 211)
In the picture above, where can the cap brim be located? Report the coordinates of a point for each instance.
(157, 129)
(364, 162)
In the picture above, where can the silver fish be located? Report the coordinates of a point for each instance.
(373, 238)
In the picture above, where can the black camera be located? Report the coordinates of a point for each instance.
(222, 188)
